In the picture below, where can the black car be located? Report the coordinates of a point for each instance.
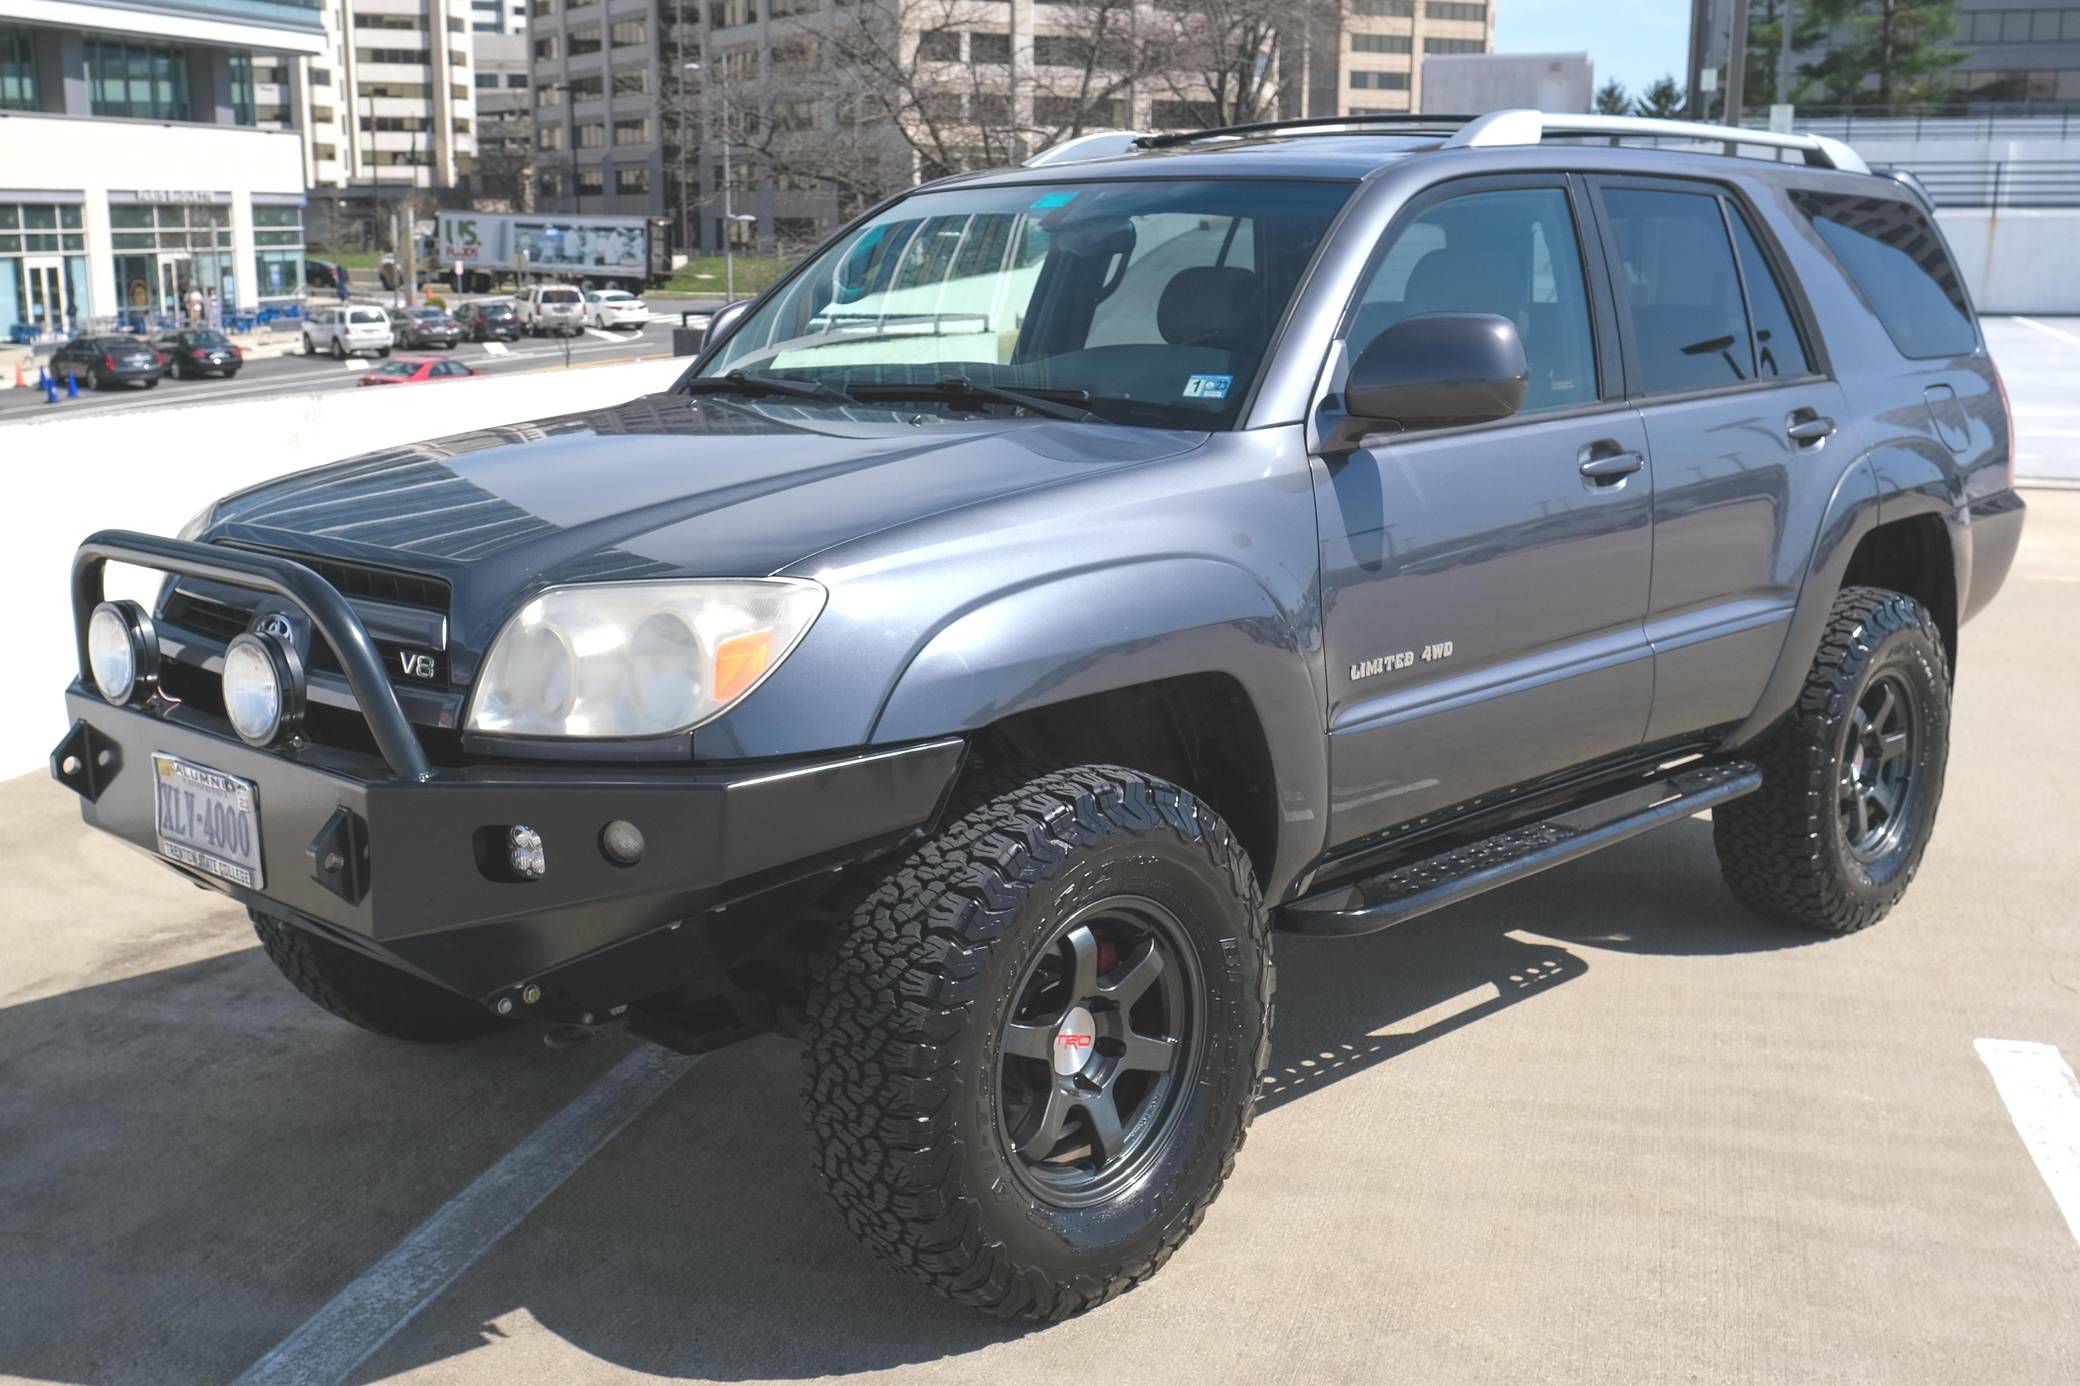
(424, 327)
(97, 362)
(492, 320)
(199, 351)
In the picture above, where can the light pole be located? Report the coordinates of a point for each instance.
(730, 219)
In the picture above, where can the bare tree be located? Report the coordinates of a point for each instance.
(862, 99)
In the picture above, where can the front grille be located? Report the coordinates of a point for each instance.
(369, 580)
(215, 614)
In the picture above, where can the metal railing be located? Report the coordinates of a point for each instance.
(2021, 121)
(1999, 183)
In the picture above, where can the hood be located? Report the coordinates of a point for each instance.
(663, 486)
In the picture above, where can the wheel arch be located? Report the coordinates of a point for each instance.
(1899, 540)
(1185, 667)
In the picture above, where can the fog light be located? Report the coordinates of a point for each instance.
(524, 853)
(122, 651)
(263, 687)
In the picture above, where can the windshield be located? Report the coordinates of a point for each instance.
(430, 314)
(392, 368)
(495, 310)
(1155, 300)
(559, 295)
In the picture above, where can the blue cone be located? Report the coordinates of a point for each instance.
(71, 385)
(50, 390)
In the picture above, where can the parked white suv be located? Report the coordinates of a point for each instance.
(545, 308)
(346, 330)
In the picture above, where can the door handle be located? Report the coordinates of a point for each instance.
(1807, 428)
(1605, 463)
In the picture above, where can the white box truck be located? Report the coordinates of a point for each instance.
(595, 251)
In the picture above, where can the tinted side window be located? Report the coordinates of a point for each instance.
(1512, 253)
(1777, 349)
(1898, 264)
(1679, 289)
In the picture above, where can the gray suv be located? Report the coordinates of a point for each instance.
(1067, 577)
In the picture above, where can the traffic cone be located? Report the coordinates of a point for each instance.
(43, 377)
(50, 390)
(20, 382)
(71, 385)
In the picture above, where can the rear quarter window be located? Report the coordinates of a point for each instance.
(1898, 264)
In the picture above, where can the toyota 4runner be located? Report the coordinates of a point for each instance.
(1066, 577)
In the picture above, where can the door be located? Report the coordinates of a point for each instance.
(50, 306)
(1484, 588)
(1741, 426)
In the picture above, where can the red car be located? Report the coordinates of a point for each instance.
(417, 370)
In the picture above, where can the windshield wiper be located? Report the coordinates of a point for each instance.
(1055, 404)
(738, 383)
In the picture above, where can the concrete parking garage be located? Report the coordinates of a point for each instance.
(1604, 1126)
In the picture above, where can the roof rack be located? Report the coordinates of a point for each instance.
(1098, 144)
(1319, 124)
(1505, 128)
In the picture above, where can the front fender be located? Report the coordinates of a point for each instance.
(1076, 634)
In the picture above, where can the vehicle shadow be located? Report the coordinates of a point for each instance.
(195, 1159)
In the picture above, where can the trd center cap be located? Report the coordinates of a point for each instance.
(1074, 1041)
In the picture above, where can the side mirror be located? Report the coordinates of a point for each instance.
(1433, 371)
(725, 318)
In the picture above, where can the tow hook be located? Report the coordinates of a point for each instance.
(570, 1034)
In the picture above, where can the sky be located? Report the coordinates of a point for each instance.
(1634, 41)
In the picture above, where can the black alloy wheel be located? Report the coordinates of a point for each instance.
(1877, 767)
(1101, 1043)
(1853, 775)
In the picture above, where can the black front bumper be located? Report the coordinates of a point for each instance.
(394, 857)
(425, 885)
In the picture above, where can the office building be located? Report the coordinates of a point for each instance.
(140, 158)
(1365, 57)
(388, 106)
(2013, 57)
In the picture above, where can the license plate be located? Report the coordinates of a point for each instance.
(207, 820)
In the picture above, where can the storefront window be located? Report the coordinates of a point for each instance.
(165, 251)
(43, 270)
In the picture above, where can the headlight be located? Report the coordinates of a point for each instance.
(637, 659)
(122, 651)
(263, 687)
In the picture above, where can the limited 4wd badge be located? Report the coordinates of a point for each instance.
(1402, 659)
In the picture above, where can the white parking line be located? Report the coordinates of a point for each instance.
(2068, 338)
(392, 1292)
(2043, 1100)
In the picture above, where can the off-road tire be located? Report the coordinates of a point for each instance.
(906, 1021)
(1783, 850)
(368, 993)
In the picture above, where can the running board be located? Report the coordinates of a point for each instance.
(1461, 873)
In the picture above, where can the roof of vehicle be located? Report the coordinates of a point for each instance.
(1354, 147)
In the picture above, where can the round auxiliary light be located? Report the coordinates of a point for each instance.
(263, 687)
(122, 651)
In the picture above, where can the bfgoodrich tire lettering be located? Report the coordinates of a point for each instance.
(1817, 846)
(367, 993)
(910, 1015)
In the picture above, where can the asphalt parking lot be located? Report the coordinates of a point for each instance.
(1600, 1127)
(298, 374)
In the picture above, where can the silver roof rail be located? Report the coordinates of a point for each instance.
(1501, 128)
(1099, 144)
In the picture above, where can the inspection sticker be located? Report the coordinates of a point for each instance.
(1208, 386)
